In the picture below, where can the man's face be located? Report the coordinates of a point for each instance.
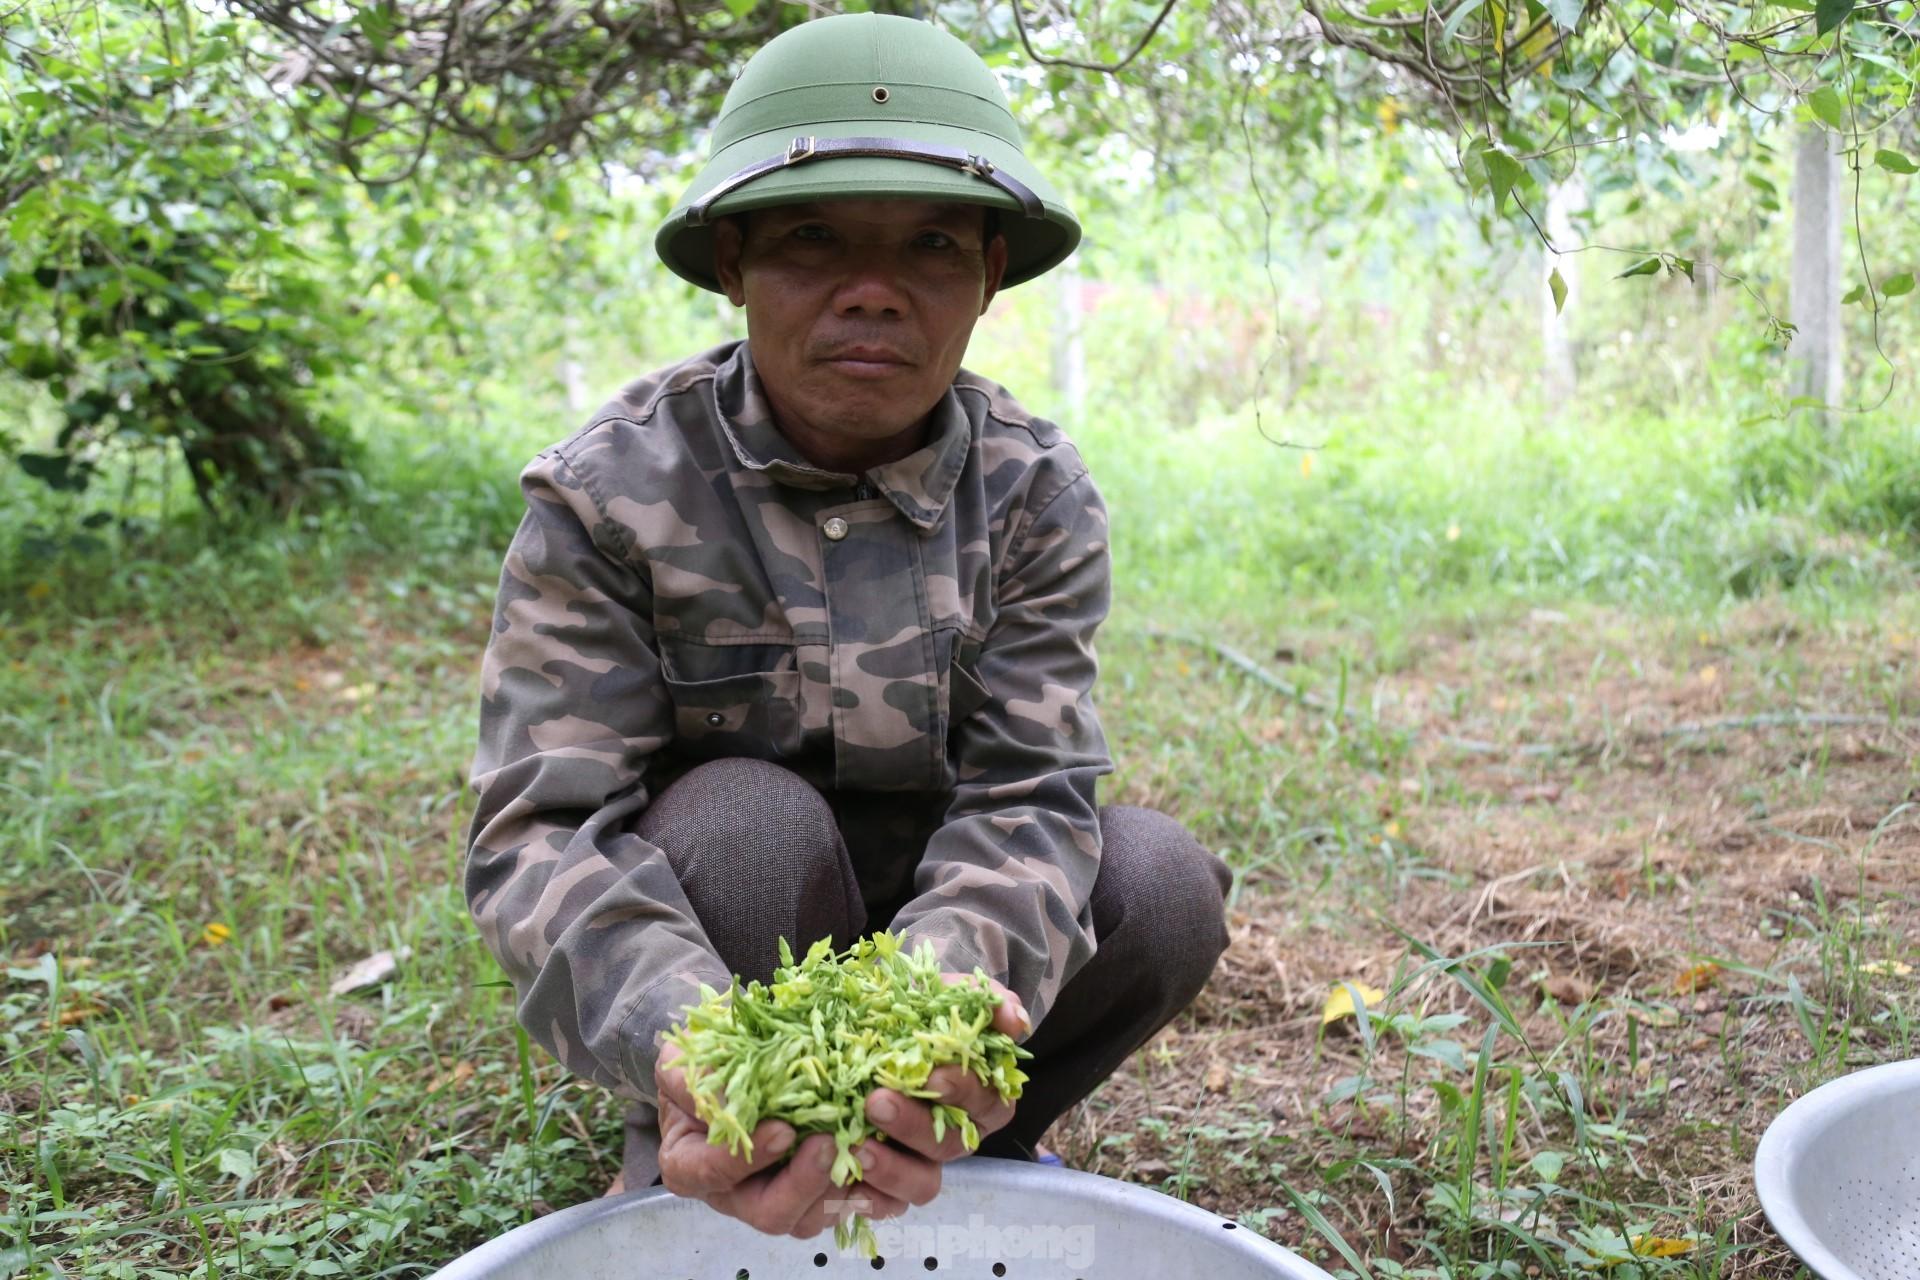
(858, 311)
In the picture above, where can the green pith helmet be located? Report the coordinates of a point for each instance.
(871, 106)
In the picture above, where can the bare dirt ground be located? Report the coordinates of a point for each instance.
(1671, 859)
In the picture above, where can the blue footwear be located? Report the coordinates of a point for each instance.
(1049, 1157)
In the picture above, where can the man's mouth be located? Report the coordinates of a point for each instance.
(868, 362)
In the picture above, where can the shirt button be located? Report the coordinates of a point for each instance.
(835, 529)
(715, 719)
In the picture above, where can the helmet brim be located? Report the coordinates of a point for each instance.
(1034, 245)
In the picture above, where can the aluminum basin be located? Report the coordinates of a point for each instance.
(993, 1218)
(1838, 1173)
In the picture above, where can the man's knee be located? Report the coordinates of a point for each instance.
(758, 814)
(1168, 893)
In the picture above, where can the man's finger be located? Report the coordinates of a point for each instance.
(775, 1200)
(959, 1087)
(841, 1203)
(670, 1081)
(1010, 1015)
(691, 1165)
(909, 1122)
(904, 1175)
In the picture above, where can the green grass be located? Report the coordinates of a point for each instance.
(266, 730)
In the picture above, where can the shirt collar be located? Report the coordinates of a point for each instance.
(919, 485)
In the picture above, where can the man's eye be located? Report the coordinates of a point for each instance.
(936, 240)
(811, 231)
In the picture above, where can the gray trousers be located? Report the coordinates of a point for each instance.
(763, 855)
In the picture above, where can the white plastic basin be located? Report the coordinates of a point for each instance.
(1838, 1173)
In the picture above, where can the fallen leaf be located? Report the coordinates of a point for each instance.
(215, 933)
(1568, 988)
(1340, 1001)
(79, 1013)
(1698, 978)
(1661, 1246)
(371, 972)
(1887, 968)
(1216, 1081)
(458, 1074)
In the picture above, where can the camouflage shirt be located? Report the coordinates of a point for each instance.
(686, 586)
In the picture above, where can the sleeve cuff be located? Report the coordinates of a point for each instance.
(661, 1007)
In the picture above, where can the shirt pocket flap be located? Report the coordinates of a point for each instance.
(741, 699)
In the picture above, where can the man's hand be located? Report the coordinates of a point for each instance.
(908, 1168)
(796, 1198)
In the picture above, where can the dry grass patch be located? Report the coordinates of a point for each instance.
(1693, 928)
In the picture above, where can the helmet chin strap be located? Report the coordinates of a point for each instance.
(805, 150)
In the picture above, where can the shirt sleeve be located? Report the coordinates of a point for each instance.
(1006, 882)
(587, 919)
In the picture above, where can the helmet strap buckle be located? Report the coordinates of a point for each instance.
(800, 149)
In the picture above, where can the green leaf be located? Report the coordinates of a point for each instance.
(57, 471)
(740, 8)
(1328, 1232)
(1644, 267)
(1684, 266)
(1566, 13)
(236, 1163)
(1466, 10)
(1826, 105)
(1894, 162)
(1503, 171)
(377, 25)
(1558, 287)
(1853, 295)
(1502, 966)
(1897, 286)
(1828, 14)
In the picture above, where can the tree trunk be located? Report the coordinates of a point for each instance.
(1813, 304)
(1069, 347)
(1560, 372)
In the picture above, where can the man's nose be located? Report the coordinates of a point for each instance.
(872, 286)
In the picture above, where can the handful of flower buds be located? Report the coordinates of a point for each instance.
(811, 1046)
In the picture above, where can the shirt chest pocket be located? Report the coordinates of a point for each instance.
(734, 699)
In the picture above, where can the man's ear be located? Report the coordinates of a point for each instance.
(996, 269)
(728, 238)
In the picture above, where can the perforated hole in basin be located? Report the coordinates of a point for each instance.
(1874, 1225)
